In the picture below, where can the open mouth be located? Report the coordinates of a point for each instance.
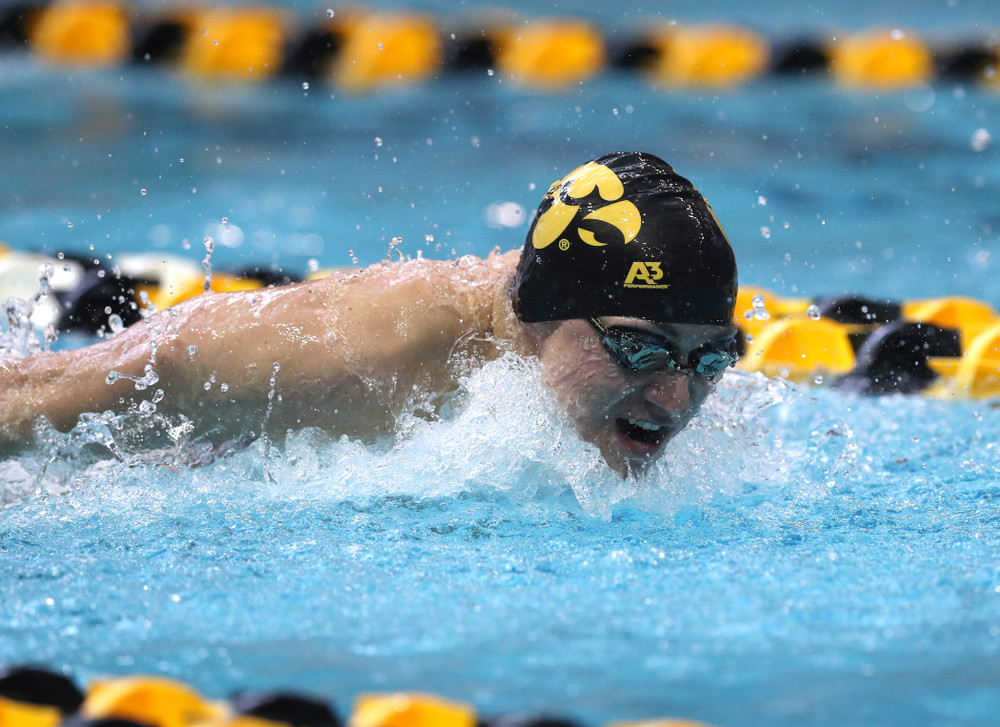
(641, 435)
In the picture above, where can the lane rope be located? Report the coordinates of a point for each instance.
(358, 49)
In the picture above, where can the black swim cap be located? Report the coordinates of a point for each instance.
(625, 235)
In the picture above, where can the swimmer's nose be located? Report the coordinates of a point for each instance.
(670, 393)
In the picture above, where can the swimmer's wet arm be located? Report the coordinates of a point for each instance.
(348, 351)
(61, 386)
(342, 354)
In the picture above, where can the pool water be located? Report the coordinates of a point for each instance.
(800, 555)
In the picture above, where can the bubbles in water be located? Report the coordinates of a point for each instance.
(814, 312)
(765, 232)
(192, 350)
(980, 140)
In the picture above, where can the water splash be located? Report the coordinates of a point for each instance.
(20, 339)
(502, 434)
(206, 263)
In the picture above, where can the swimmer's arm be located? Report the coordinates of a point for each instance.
(340, 354)
(344, 355)
(61, 386)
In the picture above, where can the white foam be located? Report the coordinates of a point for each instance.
(501, 435)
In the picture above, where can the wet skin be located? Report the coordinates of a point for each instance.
(629, 416)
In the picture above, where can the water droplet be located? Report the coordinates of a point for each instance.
(378, 141)
(814, 312)
(192, 350)
(980, 140)
(428, 238)
(765, 232)
(758, 311)
(305, 85)
(115, 324)
(157, 396)
(329, 12)
(112, 377)
(224, 388)
(818, 379)
(489, 71)
(147, 407)
(208, 385)
(762, 200)
(312, 265)
(142, 192)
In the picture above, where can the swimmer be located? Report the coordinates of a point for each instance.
(624, 292)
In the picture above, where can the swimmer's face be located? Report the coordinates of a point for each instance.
(628, 415)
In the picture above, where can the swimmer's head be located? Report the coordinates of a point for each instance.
(635, 283)
(625, 235)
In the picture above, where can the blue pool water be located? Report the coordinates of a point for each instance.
(799, 557)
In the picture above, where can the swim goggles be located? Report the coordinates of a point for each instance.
(639, 350)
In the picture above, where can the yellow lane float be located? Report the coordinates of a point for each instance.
(550, 54)
(82, 32)
(234, 43)
(881, 59)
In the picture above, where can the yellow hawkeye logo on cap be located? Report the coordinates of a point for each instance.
(648, 272)
(622, 215)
